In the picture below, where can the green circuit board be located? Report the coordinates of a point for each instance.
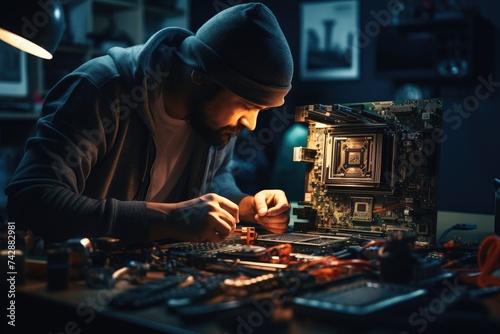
(372, 166)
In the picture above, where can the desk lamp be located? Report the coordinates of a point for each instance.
(35, 27)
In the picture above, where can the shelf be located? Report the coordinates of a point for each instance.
(79, 49)
(166, 12)
(116, 3)
(94, 26)
(18, 116)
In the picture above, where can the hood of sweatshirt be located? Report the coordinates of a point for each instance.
(145, 66)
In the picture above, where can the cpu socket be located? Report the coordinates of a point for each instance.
(353, 160)
(361, 209)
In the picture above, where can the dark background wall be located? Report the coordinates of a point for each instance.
(470, 158)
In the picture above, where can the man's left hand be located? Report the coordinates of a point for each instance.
(271, 210)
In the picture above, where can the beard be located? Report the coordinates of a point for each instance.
(199, 117)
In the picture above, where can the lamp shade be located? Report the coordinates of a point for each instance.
(34, 26)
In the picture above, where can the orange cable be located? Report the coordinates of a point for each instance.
(373, 243)
(488, 258)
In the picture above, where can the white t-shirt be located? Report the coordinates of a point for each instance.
(174, 141)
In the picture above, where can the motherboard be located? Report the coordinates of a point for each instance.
(371, 167)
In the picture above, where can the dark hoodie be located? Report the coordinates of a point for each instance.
(86, 171)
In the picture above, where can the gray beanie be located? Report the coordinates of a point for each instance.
(243, 49)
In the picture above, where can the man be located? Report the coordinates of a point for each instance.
(136, 144)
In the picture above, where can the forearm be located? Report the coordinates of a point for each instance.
(158, 225)
(57, 213)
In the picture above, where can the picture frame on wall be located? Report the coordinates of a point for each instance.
(329, 40)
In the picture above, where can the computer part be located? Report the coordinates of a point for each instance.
(302, 239)
(199, 254)
(151, 293)
(357, 299)
(371, 167)
(306, 243)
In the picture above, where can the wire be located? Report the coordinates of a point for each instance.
(330, 267)
(488, 258)
(392, 207)
(373, 243)
(462, 227)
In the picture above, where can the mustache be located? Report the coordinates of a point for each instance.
(232, 130)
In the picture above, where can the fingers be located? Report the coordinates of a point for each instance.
(271, 203)
(206, 218)
(273, 210)
(280, 207)
(222, 217)
(230, 210)
(275, 228)
(275, 224)
(218, 227)
(260, 200)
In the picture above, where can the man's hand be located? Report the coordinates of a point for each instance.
(207, 218)
(269, 208)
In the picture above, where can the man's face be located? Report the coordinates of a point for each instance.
(219, 118)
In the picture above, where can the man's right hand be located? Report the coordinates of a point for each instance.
(206, 218)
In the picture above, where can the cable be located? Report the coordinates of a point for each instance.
(373, 243)
(488, 258)
(462, 227)
(330, 267)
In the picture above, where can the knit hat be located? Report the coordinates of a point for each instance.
(243, 49)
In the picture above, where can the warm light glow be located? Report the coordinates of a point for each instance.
(86, 243)
(24, 44)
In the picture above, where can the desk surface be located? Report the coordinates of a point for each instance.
(82, 310)
(447, 306)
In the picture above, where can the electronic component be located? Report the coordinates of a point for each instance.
(210, 255)
(237, 296)
(357, 299)
(371, 167)
(175, 290)
(305, 239)
(148, 294)
(306, 243)
(304, 154)
(199, 254)
(192, 291)
(246, 233)
(399, 263)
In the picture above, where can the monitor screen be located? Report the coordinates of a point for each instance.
(13, 72)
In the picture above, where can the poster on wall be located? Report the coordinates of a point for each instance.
(328, 40)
